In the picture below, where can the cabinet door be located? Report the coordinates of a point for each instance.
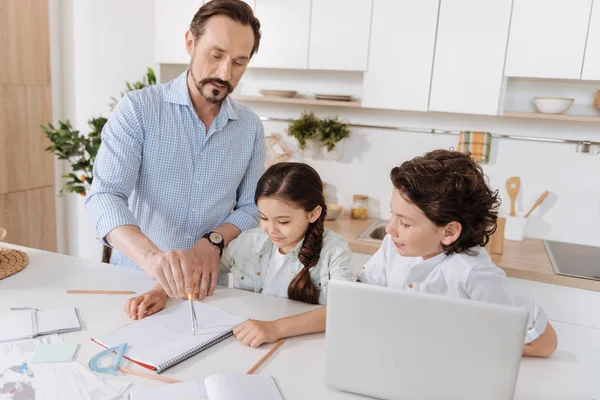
(172, 20)
(469, 56)
(24, 163)
(24, 44)
(591, 63)
(30, 218)
(285, 29)
(400, 54)
(547, 38)
(339, 35)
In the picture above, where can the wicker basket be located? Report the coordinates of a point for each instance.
(11, 260)
(597, 99)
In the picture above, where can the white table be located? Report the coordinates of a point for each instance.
(297, 366)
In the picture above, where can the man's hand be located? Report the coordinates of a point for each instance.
(205, 269)
(181, 272)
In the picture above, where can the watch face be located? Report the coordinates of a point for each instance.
(216, 237)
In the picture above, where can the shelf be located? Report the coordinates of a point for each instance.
(298, 100)
(559, 117)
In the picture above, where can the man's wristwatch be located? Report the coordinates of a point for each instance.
(216, 239)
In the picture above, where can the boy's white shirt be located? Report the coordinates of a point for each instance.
(247, 259)
(457, 275)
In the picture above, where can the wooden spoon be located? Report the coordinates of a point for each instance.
(2, 233)
(537, 203)
(513, 184)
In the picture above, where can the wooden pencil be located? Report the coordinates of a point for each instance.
(73, 291)
(264, 358)
(150, 376)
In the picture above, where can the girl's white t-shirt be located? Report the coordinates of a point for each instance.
(279, 275)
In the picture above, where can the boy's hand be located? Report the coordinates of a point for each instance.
(254, 333)
(146, 304)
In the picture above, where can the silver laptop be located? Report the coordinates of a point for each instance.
(395, 344)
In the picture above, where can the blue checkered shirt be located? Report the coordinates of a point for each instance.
(159, 169)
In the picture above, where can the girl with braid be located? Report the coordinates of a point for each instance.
(291, 255)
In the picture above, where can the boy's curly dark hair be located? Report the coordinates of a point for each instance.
(450, 186)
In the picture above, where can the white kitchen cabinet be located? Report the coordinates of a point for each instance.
(285, 28)
(172, 20)
(591, 62)
(469, 56)
(547, 38)
(400, 54)
(339, 35)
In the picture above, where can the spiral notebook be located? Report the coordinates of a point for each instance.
(165, 339)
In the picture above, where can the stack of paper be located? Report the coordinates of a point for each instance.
(19, 378)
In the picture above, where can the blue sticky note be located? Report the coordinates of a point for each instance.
(62, 352)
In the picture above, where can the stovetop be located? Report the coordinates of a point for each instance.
(576, 260)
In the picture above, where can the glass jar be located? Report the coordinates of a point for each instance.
(359, 209)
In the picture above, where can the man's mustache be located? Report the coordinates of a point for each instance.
(219, 81)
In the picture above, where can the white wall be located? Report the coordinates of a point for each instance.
(100, 46)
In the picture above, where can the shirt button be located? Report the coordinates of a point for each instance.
(364, 268)
(258, 273)
(410, 285)
(193, 210)
(189, 236)
(242, 277)
(259, 256)
(198, 182)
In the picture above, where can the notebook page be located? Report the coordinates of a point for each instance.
(57, 320)
(241, 386)
(163, 336)
(17, 325)
(190, 390)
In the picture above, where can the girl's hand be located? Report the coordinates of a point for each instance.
(146, 304)
(254, 333)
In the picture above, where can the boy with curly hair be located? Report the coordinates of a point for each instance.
(443, 214)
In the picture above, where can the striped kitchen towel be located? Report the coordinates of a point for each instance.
(476, 143)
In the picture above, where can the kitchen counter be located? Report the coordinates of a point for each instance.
(526, 260)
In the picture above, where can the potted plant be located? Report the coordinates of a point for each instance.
(304, 130)
(330, 132)
(80, 150)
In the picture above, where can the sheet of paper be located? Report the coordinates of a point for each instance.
(24, 349)
(62, 352)
(17, 325)
(189, 390)
(119, 386)
(95, 386)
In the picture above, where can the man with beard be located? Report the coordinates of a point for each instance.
(175, 176)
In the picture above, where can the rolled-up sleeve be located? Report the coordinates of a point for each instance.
(245, 214)
(489, 284)
(116, 170)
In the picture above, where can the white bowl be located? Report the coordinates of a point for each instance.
(552, 105)
(333, 211)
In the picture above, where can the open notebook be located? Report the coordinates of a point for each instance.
(215, 387)
(162, 340)
(27, 324)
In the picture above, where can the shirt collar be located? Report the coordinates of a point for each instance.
(178, 93)
(432, 262)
